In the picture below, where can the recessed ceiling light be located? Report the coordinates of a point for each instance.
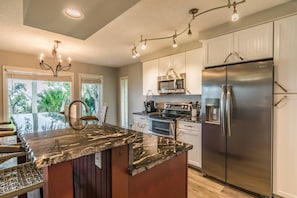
(73, 14)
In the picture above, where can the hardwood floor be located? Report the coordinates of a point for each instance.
(202, 187)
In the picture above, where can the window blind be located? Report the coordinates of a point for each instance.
(30, 75)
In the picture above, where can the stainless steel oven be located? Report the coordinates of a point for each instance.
(162, 127)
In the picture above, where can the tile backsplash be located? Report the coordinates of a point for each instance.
(174, 98)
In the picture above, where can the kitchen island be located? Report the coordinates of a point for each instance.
(103, 160)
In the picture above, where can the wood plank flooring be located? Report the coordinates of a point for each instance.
(202, 187)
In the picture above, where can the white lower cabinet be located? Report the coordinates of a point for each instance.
(190, 132)
(285, 147)
(140, 123)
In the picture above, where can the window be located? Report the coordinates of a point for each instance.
(91, 92)
(30, 91)
(124, 101)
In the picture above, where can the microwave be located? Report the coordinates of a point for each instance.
(172, 84)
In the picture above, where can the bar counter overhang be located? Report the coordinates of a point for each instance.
(102, 160)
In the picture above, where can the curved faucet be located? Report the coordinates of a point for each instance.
(69, 113)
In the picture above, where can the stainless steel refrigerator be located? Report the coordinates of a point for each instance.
(237, 124)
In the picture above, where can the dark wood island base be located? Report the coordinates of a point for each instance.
(81, 178)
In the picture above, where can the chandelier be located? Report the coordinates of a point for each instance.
(57, 61)
(194, 12)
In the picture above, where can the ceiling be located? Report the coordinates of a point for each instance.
(111, 45)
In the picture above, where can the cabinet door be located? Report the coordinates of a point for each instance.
(285, 49)
(254, 43)
(176, 61)
(164, 65)
(217, 49)
(149, 77)
(194, 72)
(140, 123)
(194, 138)
(179, 62)
(285, 147)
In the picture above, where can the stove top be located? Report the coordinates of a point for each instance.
(165, 116)
(173, 110)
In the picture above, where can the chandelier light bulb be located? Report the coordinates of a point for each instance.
(69, 60)
(41, 57)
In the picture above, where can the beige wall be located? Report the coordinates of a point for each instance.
(109, 78)
(135, 98)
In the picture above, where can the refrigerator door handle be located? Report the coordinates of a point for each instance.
(222, 107)
(228, 109)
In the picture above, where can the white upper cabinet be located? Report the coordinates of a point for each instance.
(255, 43)
(193, 71)
(285, 53)
(176, 61)
(217, 49)
(285, 136)
(249, 44)
(149, 77)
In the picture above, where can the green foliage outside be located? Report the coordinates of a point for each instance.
(19, 100)
(54, 97)
(90, 94)
(51, 99)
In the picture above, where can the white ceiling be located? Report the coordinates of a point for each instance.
(111, 45)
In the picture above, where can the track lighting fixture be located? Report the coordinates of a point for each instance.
(194, 12)
(143, 46)
(135, 53)
(235, 15)
(174, 44)
(189, 31)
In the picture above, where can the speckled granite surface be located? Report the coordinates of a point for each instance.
(190, 119)
(150, 150)
(50, 141)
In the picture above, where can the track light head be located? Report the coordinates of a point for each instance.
(235, 15)
(174, 45)
(143, 45)
(189, 30)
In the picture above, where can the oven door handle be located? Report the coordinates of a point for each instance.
(161, 120)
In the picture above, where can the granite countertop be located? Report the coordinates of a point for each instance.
(50, 141)
(143, 113)
(195, 119)
(150, 150)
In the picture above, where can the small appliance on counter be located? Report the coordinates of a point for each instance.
(149, 106)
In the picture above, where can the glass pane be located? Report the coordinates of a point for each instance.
(124, 102)
(90, 93)
(34, 96)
